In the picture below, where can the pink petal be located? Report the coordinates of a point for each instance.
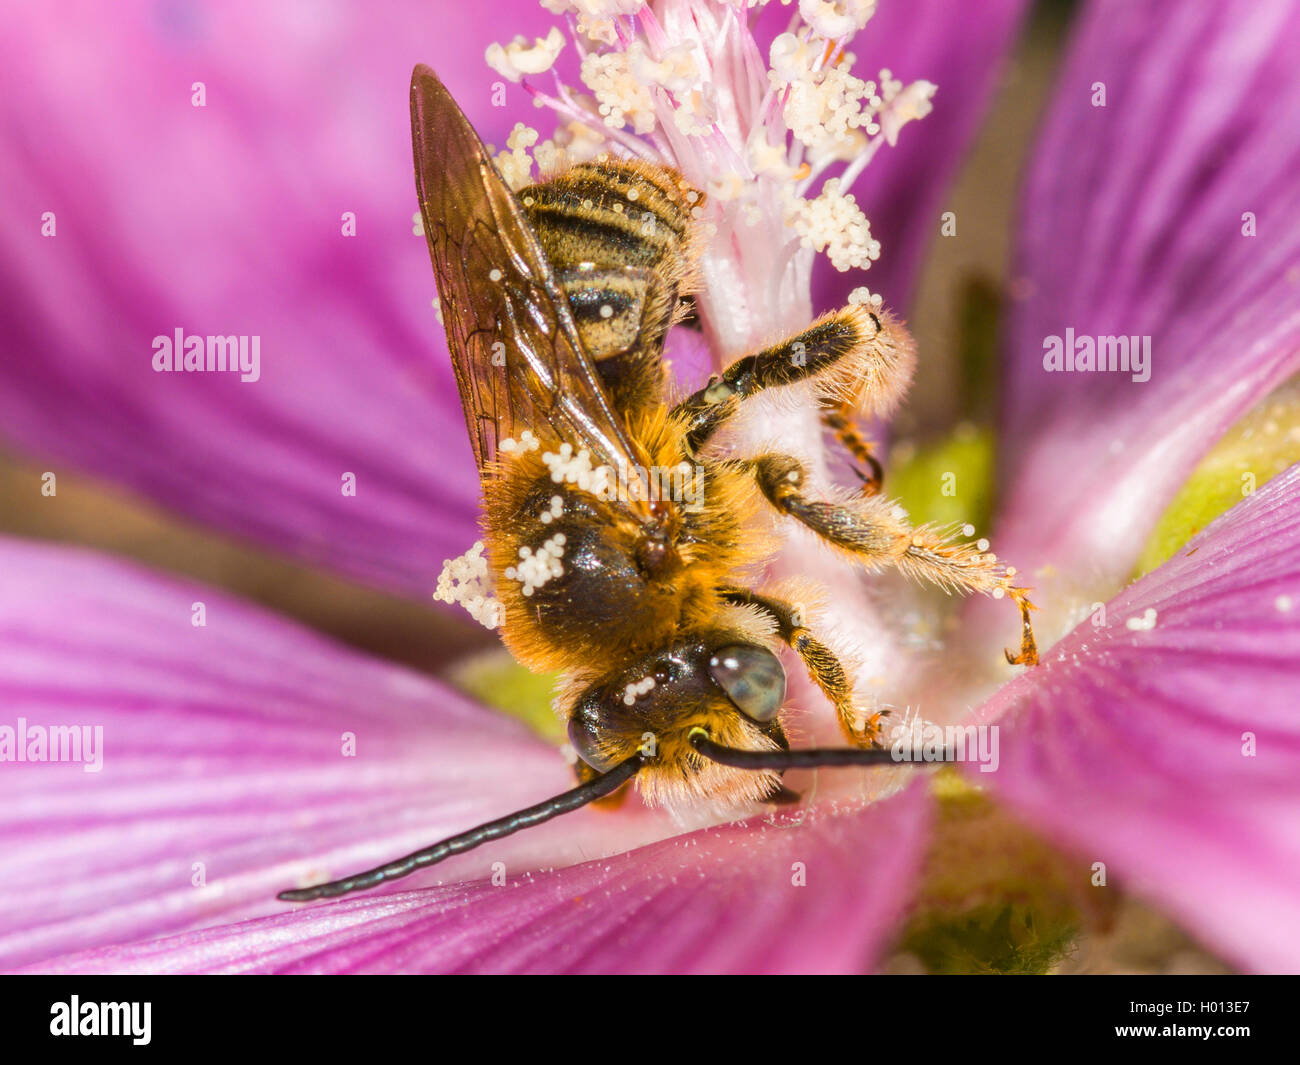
(717, 900)
(223, 745)
(1127, 744)
(1132, 225)
(226, 220)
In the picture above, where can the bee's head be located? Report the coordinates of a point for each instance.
(732, 688)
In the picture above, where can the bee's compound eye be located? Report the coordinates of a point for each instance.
(753, 677)
(584, 734)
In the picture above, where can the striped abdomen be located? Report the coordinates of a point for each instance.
(617, 235)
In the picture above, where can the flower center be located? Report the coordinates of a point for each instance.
(776, 143)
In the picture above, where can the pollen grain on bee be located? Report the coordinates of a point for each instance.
(683, 483)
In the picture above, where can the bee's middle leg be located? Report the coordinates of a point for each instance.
(823, 666)
(876, 533)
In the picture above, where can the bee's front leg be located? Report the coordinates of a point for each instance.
(825, 669)
(857, 362)
(613, 801)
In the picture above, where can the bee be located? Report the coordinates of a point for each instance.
(557, 301)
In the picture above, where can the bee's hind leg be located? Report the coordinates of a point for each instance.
(823, 666)
(875, 532)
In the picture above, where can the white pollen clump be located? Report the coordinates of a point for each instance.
(834, 223)
(465, 580)
(1145, 623)
(437, 310)
(695, 116)
(526, 442)
(624, 83)
(676, 70)
(535, 568)
(729, 186)
(495, 274)
(770, 160)
(968, 530)
(621, 97)
(570, 467)
(904, 104)
(606, 311)
(864, 297)
(572, 142)
(518, 58)
(595, 18)
(417, 224)
(555, 510)
(515, 164)
(837, 18)
(980, 544)
(826, 107)
(636, 688)
(1283, 603)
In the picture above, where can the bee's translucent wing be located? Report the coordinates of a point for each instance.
(517, 355)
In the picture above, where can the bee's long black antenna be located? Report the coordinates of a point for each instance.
(533, 815)
(805, 759)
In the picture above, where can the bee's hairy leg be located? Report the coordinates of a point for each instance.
(823, 666)
(853, 355)
(875, 532)
(613, 801)
(837, 416)
(783, 796)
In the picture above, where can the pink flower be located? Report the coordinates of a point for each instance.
(222, 779)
